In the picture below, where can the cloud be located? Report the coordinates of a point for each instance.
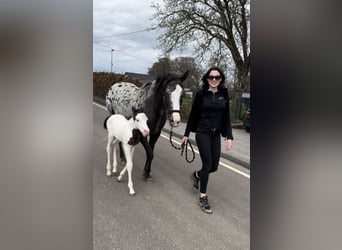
(115, 26)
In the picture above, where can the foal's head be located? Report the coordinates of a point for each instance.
(140, 122)
(173, 97)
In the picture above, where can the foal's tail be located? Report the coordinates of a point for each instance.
(105, 122)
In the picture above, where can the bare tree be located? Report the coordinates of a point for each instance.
(218, 30)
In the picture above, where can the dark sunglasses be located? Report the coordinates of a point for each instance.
(214, 77)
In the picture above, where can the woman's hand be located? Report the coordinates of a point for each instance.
(184, 140)
(229, 144)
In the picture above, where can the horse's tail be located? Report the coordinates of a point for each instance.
(105, 122)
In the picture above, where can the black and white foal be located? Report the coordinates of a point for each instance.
(128, 132)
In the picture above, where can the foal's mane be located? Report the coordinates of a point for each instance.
(135, 139)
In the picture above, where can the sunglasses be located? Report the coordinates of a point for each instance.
(214, 77)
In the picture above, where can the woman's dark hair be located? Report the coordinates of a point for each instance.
(205, 78)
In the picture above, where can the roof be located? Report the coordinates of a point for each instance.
(143, 77)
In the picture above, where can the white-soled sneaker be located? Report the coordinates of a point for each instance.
(204, 204)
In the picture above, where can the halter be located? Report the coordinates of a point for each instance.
(184, 145)
(173, 110)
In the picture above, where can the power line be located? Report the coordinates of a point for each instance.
(125, 34)
(103, 45)
(111, 49)
(104, 50)
(133, 56)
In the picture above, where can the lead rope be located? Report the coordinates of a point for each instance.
(184, 145)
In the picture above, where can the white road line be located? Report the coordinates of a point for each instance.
(196, 151)
(100, 106)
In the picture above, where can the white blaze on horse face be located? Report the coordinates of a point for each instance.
(175, 100)
(141, 124)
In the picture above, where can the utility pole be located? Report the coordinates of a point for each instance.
(111, 60)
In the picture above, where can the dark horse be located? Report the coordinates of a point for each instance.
(160, 100)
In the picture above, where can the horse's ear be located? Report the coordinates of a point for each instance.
(184, 76)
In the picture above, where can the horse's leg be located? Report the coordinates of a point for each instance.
(150, 147)
(115, 160)
(122, 155)
(152, 143)
(149, 157)
(153, 140)
(109, 151)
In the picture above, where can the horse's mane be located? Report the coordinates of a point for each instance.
(146, 85)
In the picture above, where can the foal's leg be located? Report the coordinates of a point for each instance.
(122, 155)
(122, 173)
(109, 151)
(115, 160)
(129, 151)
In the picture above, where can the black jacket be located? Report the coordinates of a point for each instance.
(195, 115)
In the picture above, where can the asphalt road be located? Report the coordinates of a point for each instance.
(165, 214)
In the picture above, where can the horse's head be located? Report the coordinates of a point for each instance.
(140, 122)
(173, 98)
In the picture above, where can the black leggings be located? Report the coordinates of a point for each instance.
(209, 147)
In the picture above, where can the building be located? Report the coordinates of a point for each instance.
(142, 77)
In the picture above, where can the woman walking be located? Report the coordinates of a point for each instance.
(209, 118)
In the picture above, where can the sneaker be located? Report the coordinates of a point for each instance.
(204, 204)
(195, 180)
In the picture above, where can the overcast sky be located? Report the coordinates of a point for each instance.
(120, 25)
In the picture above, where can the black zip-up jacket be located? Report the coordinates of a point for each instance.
(197, 112)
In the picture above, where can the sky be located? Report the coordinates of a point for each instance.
(120, 25)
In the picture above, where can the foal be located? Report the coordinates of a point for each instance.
(128, 132)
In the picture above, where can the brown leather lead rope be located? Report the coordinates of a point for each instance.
(182, 148)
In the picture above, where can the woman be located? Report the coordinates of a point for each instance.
(209, 118)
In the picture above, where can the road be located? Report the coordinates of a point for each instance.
(165, 214)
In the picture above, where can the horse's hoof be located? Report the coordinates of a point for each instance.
(119, 179)
(148, 179)
(132, 194)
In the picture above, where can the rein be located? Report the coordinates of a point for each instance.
(184, 145)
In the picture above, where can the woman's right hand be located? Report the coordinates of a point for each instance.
(184, 139)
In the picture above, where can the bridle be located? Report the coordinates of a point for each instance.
(173, 111)
(169, 112)
(184, 145)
